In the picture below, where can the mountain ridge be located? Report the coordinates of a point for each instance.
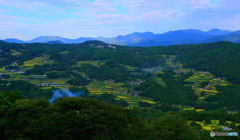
(145, 39)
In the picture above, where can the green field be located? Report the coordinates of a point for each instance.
(214, 125)
(159, 81)
(130, 68)
(100, 87)
(170, 61)
(94, 63)
(36, 61)
(14, 52)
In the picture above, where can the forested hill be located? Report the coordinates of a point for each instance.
(220, 58)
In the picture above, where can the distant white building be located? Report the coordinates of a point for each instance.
(21, 72)
(113, 47)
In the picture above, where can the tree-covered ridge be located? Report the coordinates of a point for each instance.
(174, 92)
(77, 118)
(221, 59)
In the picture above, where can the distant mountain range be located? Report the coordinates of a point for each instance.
(189, 36)
(13, 40)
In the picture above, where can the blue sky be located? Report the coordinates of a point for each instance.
(27, 19)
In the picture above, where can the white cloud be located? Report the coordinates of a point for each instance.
(159, 15)
(106, 4)
(199, 4)
(122, 16)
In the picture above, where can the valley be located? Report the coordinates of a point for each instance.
(119, 70)
(154, 79)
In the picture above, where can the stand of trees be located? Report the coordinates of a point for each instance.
(77, 118)
(26, 89)
(174, 92)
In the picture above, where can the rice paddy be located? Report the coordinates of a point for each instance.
(94, 63)
(199, 110)
(170, 61)
(95, 87)
(160, 81)
(209, 90)
(105, 86)
(100, 87)
(190, 108)
(214, 125)
(130, 68)
(14, 52)
(36, 61)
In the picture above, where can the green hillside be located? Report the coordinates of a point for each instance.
(145, 88)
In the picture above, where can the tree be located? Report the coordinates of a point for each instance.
(7, 110)
(69, 118)
(196, 126)
(203, 93)
(208, 120)
(233, 125)
(111, 98)
(78, 80)
(144, 104)
(222, 121)
(173, 126)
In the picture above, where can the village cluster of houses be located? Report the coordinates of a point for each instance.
(135, 83)
(50, 85)
(109, 46)
(13, 70)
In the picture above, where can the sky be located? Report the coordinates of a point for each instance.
(28, 19)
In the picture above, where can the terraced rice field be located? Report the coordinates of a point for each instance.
(130, 68)
(214, 125)
(160, 81)
(36, 61)
(19, 77)
(99, 87)
(14, 52)
(186, 108)
(95, 63)
(199, 77)
(46, 87)
(133, 100)
(65, 52)
(199, 110)
(190, 108)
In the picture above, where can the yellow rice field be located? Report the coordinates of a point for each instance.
(198, 110)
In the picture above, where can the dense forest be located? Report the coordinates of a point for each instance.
(162, 92)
